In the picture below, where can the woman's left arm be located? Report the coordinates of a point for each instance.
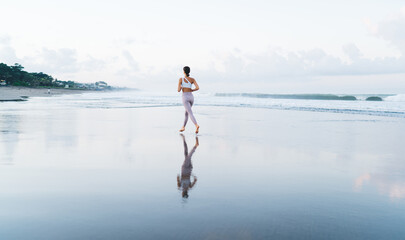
(196, 86)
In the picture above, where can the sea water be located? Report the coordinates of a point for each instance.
(391, 105)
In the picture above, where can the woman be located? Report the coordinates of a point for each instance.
(188, 98)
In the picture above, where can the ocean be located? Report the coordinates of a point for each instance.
(390, 105)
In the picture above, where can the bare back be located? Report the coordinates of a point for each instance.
(190, 80)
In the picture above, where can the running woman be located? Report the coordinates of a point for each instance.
(188, 98)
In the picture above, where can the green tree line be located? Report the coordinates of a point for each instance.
(16, 76)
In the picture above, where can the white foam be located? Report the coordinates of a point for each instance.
(391, 106)
(396, 98)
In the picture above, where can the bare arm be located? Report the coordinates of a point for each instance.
(196, 86)
(179, 86)
(178, 181)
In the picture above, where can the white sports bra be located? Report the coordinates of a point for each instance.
(185, 84)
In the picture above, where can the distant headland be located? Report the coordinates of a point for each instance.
(18, 85)
(15, 76)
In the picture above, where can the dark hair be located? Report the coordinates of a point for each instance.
(186, 70)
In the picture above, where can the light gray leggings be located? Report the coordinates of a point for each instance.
(188, 101)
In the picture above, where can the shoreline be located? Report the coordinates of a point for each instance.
(18, 94)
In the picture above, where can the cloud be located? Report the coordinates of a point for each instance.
(130, 60)
(5, 40)
(51, 61)
(272, 65)
(62, 60)
(352, 51)
(392, 30)
(92, 64)
(7, 52)
(129, 70)
(277, 64)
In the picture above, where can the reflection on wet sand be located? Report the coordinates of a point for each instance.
(184, 181)
(9, 137)
(394, 188)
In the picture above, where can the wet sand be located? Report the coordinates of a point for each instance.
(261, 174)
(11, 93)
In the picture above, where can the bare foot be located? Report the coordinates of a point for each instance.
(198, 127)
(182, 129)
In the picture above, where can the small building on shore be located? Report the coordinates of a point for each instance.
(59, 83)
(3, 83)
(101, 85)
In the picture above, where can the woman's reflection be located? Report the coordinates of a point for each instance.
(184, 181)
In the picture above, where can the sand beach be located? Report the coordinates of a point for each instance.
(12, 93)
(90, 171)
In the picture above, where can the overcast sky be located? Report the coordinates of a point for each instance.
(285, 46)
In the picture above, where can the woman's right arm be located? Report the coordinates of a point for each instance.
(179, 86)
(196, 86)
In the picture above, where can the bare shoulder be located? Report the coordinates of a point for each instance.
(192, 79)
(179, 79)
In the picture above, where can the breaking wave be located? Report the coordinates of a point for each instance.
(396, 98)
(367, 97)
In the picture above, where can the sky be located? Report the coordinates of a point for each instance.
(289, 46)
